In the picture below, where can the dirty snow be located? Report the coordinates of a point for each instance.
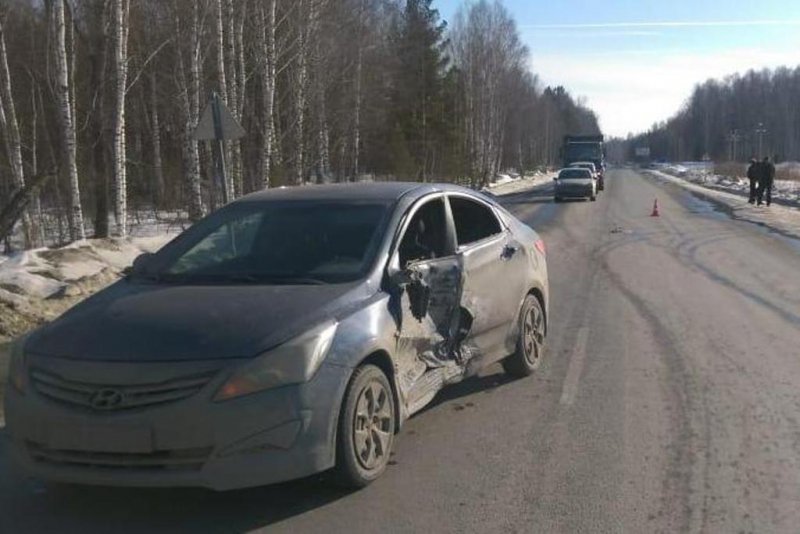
(38, 285)
(784, 219)
(505, 184)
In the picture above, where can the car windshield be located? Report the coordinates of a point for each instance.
(574, 174)
(276, 243)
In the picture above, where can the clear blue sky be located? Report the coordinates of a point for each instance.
(636, 61)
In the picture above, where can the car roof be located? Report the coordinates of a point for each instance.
(362, 191)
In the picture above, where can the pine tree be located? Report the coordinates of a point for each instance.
(418, 90)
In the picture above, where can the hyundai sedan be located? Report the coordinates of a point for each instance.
(291, 332)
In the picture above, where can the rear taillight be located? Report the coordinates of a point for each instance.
(539, 245)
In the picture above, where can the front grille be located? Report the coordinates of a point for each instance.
(169, 460)
(115, 397)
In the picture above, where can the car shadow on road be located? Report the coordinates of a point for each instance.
(470, 386)
(28, 505)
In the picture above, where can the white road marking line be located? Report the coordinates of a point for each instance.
(575, 367)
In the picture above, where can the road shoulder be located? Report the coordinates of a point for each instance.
(784, 220)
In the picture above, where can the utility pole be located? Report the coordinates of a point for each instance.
(733, 137)
(760, 131)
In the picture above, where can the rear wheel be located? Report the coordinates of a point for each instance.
(530, 344)
(366, 428)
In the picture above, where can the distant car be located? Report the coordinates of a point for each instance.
(291, 331)
(597, 173)
(575, 183)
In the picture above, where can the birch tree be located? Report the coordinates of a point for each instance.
(121, 14)
(64, 102)
(13, 142)
(267, 11)
(188, 78)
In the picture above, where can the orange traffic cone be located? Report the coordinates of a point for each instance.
(655, 209)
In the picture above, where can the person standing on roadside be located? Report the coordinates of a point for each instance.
(752, 175)
(765, 182)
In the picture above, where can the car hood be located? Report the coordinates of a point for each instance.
(144, 322)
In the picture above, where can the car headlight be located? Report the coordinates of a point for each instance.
(18, 368)
(293, 362)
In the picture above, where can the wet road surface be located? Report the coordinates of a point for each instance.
(669, 401)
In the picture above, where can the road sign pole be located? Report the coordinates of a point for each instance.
(218, 125)
(219, 148)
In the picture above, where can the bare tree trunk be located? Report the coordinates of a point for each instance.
(222, 78)
(323, 132)
(267, 22)
(121, 12)
(190, 104)
(238, 163)
(98, 62)
(13, 142)
(357, 96)
(11, 211)
(232, 42)
(66, 119)
(155, 124)
(36, 209)
(306, 27)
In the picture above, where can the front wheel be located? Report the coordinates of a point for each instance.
(530, 344)
(366, 428)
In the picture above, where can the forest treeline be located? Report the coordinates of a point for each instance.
(748, 115)
(100, 99)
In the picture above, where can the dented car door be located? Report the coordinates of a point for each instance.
(428, 280)
(494, 280)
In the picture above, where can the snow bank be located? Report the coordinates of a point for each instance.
(505, 184)
(702, 173)
(38, 285)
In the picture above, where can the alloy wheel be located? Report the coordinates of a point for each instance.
(373, 425)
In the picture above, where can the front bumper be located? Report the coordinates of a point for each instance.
(264, 438)
(574, 191)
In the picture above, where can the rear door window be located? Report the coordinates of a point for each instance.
(474, 221)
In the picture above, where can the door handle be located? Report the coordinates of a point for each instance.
(509, 251)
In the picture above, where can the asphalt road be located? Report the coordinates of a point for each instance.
(669, 402)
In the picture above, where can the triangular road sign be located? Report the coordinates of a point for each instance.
(227, 128)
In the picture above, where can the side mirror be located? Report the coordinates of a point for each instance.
(139, 264)
(419, 293)
(401, 277)
(555, 179)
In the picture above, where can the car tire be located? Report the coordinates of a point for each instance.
(366, 428)
(530, 344)
(593, 198)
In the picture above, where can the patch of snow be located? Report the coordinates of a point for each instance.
(506, 184)
(38, 285)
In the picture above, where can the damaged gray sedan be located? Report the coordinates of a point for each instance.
(290, 332)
